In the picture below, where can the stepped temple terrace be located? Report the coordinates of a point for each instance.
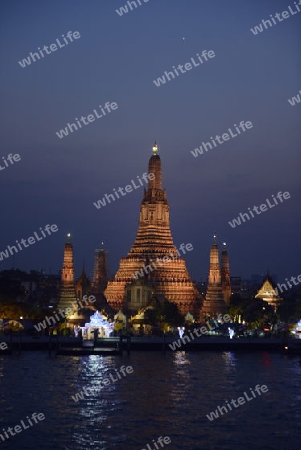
(154, 242)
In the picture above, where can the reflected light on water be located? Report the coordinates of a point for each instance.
(94, 409)
(181, 358)
(266, 359)
(166, 395)
(229, 360)
(181, 375)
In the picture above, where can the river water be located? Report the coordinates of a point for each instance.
(165, 395)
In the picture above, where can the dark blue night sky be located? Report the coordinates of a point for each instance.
(116, 59)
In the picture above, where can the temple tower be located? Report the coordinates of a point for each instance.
(153, 256)
(100, 272)
(83, 285)
(67, 297)
(214, 303)
(100, 279)
(225, 272)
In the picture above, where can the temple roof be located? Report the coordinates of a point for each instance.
(267, 289)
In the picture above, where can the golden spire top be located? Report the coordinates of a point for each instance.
(155, 148)
(68, 237)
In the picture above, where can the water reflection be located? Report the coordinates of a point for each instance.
(230, 361)
(181, 375)
(266, 359)
(181, 358)
(94, 407)
(165, 395)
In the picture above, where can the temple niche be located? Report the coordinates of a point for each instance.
(147, 258)
(138, 295)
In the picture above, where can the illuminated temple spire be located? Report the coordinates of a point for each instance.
(214, 271)
(67, 297)
(154, 242)
(225, 272)
(154, 166)
(214, 303)
(154, 225)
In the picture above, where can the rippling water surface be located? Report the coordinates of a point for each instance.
(166, 395)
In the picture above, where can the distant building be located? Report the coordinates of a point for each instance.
(236, 285)
(257, 278)
(48, 289)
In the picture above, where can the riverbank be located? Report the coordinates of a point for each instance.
(56, 343)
